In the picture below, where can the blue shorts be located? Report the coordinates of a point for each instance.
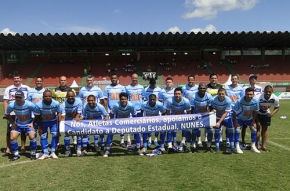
(242, 122)
(52, 125)
(228, 123)
(264, 120)
(24, 129)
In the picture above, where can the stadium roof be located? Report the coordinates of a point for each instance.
(134, 40)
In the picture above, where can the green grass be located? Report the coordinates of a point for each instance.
(126, 171)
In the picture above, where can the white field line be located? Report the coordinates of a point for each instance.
(278, 145)
(16, 163)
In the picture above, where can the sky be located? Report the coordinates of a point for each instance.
(90, 16)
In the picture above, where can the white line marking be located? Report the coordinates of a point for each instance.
(16, 163)
(281, 138)
(278, 145)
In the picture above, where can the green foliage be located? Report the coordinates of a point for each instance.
(126, 171)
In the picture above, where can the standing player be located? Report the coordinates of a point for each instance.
(177, 105)
(122, 109)
(258, 90)
(136, 94)
(72, 109)
(111, 97)
(35, 94)
(152, 107)
(47, 114)
(9, 96)
(96, 111)
(166, 94)
(267, 99)
(213, 85)
(91, 89)
(152, 89)
(245, 111)
(188, 90)
(222, 106)
(23, 123)
(201, 103)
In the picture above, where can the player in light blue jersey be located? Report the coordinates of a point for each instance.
(36, 94)
(123, 109)
(190, 88)
(200, 103)
(71, 110)
(22, 123)
(166, 94)
(47, 114)
(9, 96)
(177, 105)
(96, 111)
(258, 90)
(152, 107)
(152, 89)
(136, 94)
(222, 106)
(91, 89)
(245, 111)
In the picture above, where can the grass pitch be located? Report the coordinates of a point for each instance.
(181, 171)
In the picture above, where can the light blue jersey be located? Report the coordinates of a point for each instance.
(35, 95)
(235, 94)
(135, 95)
(94, 113)
(23, 113)
(165, 95)
(152, 111)
(244, 110)
(86, 91)
(222, 106)
(178, 108)
(123, 112)
(70, 110)
(112, 94)
(199, 104)
(149, 91)
(189, 91)
(48, 113)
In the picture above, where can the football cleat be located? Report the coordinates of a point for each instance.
(107, 153)
(67, 154)
(16, 157)
(53, 155)
(44, 156)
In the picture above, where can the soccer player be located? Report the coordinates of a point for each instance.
(136, 94)
(267, 99)
(188, 90)
(47, 114)
(91, 89)
(59, 94)
(123, 109)
(245, 111)
(234, 92)
(258, 90)
(166, 94)
(23, 123)
(177, 105)
(111, 97)
(152, 89)
(222, 106)
(200, 103)
(9, 96)
(71, 110)
(35, 94)
(96, 111)
(152, 107)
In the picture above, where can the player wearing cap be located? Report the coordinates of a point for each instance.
(9, 96)
(23, 123)
(266, 100)
(71, 110)
(47, 115)
(258, 90)
(245, 111)
(152, 89)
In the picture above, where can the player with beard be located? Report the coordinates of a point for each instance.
(267, 99)
(23, 123)
(72, 109)
(47, 115)
(94, 111)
